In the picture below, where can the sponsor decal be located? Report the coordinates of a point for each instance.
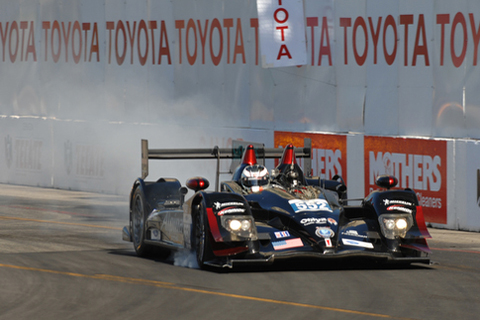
(231, 210)
(310, 205)
(325, 233)
(399, 208)
(309, 221)
(230, 207)
(329, 152)
(332, 221)
(312, 220)
(287, 244)
(353, 233)
(255, 189)
(218, 205)
(387, 202)
(282, 234)
(355, 243)
(418, 164)
(328, 242)
(155, 234)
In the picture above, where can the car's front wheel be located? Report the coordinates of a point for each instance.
(137, 223)
(201, 238)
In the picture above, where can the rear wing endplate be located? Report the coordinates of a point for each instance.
(217, 153)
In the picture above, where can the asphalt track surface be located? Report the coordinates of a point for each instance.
(62, 257)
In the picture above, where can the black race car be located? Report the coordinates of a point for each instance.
(258, 217)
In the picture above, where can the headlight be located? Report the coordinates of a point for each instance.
(241, 227)
(246, 225)
(389, 223)
(234, 224)
(395, 225)
(401, 224)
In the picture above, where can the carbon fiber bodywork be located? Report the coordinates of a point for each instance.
(233, 226)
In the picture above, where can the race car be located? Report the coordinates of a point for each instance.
(258, 217)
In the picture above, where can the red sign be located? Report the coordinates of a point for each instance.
(418, 164)
(329, 152)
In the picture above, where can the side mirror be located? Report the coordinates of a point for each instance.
(197, 183)
(341, 188)
(386, 181)
(183, 191)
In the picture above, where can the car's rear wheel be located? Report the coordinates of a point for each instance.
(201, 238)
(137, 223)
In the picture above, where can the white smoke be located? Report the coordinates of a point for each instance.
(185, 258)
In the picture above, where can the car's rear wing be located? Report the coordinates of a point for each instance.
(235, 153)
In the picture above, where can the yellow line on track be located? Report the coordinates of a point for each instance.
(172, 286)
(95, 276)
(59, 222)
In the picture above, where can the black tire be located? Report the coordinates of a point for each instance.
(201, 238)
(138, 215)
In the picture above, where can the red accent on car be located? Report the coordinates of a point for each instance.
(212, 222)
(421, 223)
(197, 183)
(249, 156)
(288, 156)
(419, 244)
(229, 251)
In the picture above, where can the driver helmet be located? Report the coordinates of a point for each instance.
(254, 176)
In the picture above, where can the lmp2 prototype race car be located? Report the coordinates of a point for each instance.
(259, 217)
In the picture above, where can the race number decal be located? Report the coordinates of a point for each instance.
(310, 205)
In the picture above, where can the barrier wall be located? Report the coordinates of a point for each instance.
(83, 81)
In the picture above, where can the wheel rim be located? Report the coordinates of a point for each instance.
(137, 221)
(200, 238)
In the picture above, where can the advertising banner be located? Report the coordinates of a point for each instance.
(282, 33)
(26, 154)
(200, 63)
(418, 164)
(329, 152)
